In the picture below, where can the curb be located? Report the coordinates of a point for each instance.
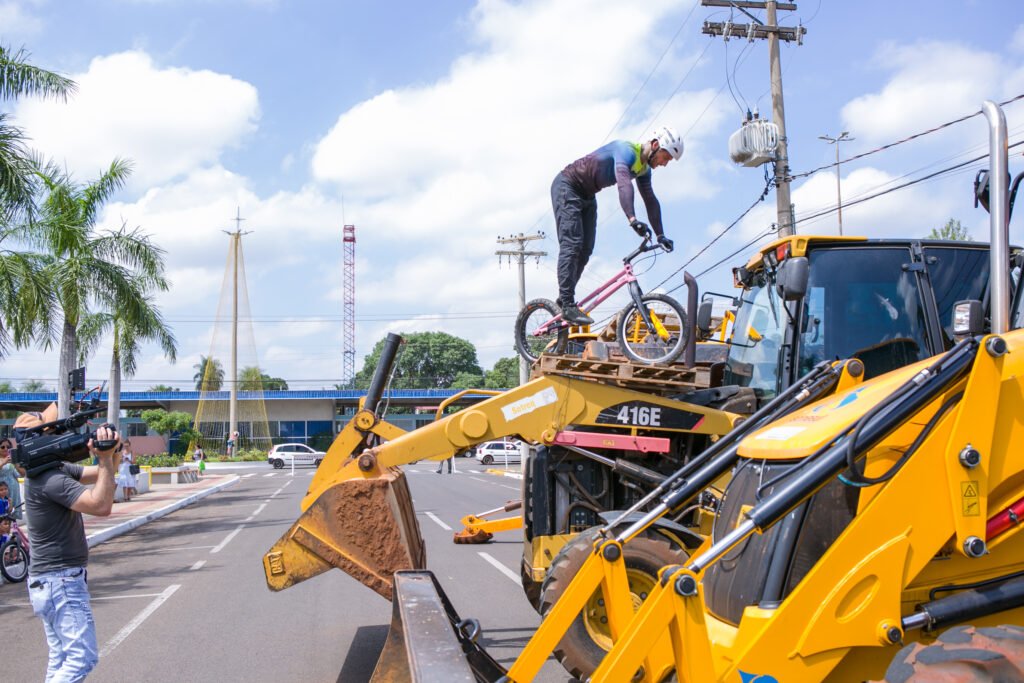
(506, 473)
(123, 527)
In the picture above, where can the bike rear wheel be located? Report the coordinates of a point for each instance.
(13, 561)
(533, 316)
(665, 342)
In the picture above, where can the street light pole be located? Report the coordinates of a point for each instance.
(843, 137)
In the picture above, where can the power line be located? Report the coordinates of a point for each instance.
(899, 142)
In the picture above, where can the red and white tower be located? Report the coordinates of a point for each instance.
(348, 351)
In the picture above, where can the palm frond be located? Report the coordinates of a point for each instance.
(18, 77)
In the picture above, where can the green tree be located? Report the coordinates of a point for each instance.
(209, 374)
(131, 327)
(504, 375)
(250, 379)
(162, 388)
(17, 78)
(274, 383)
(430, 360)
(167, 423)
(33, 386)
(952, 230)
(467, 380)
(106, 270)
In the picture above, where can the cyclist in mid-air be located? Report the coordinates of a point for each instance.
(572, 197)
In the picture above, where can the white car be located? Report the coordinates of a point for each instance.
(284, 453)
(501, 452)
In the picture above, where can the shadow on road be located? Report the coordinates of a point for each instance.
(363, 654)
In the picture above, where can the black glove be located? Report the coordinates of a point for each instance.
(640, 228)
(665, 243)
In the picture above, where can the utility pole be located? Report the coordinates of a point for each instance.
(520, 255)
(236, 238)
(843, 137)
(773, 32)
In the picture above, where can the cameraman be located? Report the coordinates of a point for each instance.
(54, 501)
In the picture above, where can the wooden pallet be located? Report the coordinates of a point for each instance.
(660, 379)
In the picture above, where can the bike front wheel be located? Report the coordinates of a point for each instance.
(13, 561)
(532, 318)
(661, 342)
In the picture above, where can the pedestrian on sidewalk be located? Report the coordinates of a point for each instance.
(55, 501)
(125, 475)
(440, 465)
(200, 457)
(9, 473)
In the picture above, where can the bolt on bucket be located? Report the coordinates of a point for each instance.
(364, 525)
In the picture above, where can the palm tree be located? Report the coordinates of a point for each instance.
(109, 270)
(250, 379)
(17, 78)
(209, 374)
(129, 333)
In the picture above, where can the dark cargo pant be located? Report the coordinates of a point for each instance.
(576, 221)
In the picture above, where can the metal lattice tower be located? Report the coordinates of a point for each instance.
(348, 353)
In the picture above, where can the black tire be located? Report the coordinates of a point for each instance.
(278, 464)
(487, 460)
(639, 344)
(13, 561)
(584, 644)
(963, 653)
(317, 463)
(533, 315)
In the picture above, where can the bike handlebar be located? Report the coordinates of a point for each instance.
(645, 246)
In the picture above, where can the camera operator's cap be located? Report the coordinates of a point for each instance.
(29, 420)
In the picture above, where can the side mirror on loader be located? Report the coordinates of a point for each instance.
(704, 317)
(791, 278)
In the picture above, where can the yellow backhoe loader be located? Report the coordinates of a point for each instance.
(884, 515)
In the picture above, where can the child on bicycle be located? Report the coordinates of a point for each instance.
(572, 197)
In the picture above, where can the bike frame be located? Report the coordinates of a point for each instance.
(621, 279)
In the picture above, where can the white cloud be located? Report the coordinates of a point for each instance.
(1017, 42)
(167, 120)
(932, 82)
(18, 20)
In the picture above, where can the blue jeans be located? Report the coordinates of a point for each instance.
(61, 599)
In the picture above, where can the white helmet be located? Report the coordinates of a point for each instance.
(669, 141)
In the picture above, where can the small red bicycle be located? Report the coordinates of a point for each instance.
(14, 551)
(651, 329)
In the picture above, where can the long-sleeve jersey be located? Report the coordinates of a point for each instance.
(617, 163)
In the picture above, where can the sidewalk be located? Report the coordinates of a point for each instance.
(160, 500)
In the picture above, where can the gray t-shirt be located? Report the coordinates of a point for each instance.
(56, 532)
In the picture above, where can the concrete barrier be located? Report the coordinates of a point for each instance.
(183, 474)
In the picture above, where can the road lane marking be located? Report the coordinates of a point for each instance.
(506, 486)
(197, 565)
(500, 567)
(246, 476)
(188, 547)
(439, 522)
(270, 475)
(477, 479)
(288, 482)
(227, 539)
(259, 509)
(137, 621)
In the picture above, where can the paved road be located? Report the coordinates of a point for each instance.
(183, 598)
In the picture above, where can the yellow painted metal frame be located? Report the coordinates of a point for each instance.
(834, 624)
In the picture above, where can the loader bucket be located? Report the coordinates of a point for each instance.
(365, 525)
(428, 642)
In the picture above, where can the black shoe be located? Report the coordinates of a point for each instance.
(574, 316)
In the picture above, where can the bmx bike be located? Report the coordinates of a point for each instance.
(14, 552)
(651, 329)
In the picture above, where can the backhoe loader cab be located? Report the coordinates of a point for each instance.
(887, 302)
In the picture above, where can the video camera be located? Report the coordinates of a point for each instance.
(45, 446)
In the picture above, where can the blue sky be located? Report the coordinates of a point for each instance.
(436, 127)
